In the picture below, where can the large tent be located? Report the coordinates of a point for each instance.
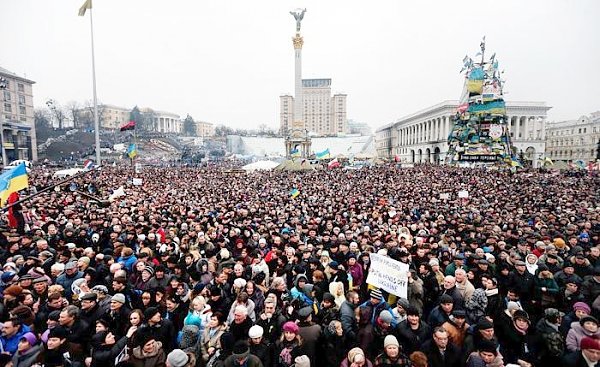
(295, 165)
(260, 166)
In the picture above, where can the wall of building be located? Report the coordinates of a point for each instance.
(17, 124)
(423, 135)
(574, 139)
(323, 113)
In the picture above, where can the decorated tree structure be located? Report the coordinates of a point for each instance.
(480, 133)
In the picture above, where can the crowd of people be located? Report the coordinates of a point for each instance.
(206, 267)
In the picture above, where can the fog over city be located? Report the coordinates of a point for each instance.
(228, 62)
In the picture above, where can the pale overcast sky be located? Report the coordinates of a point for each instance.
(229, 61)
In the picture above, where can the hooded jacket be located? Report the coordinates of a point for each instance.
(576, 333)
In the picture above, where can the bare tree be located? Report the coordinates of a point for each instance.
(73, 109)
(57, 113)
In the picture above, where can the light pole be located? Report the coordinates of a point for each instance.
(3, 86)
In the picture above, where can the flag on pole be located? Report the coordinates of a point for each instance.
(295, 153)
(88, 164)
(87, 5)
(323, 154)
(132, 151)
(12, 181)
(294, 193)
(128, 126)
(334, 163)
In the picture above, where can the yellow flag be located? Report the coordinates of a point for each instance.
(87, 5)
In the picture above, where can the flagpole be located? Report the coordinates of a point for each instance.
(96, 122)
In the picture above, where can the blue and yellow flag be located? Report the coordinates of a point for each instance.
(295, 153)
(132, 151)
(294, 193)
(12, 181)
(324, 154)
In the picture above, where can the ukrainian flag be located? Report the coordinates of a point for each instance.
(12, 181)
(323, 154)
(295, 153)
(132, 151)
(294, 193)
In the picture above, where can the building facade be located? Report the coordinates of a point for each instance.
(205, 129)
(423, 136)
(17, 124)
(162, 122)
(574, 139)
(323, 113)
(110, 117)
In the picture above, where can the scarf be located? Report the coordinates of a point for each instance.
(520, 331)
(491, 292)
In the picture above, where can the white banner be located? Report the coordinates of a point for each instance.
(137, 182)
(389, 275)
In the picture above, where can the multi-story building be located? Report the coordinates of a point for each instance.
(574, 139)
(161, 121)
(324, 114)
(205, 129)
(423, 135)
(110, 117)
(17, 125)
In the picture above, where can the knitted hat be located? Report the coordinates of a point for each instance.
(403, 302)
(386, 316)
(302, 361)
(355, 352)
(255, 331)
(376, 293)
(177, 358)
(488, 346)
(484, 324)
(390, 340)
(590, 343)
(512, 306)
(149, 269)
(150, 312)
(30, 337)
(582, 306)
(328, 297)
(291, 327)
(240, 350)
(445, 298)
(119, 297)
(58, 332)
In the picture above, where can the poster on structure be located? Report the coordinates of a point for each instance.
(389, 275)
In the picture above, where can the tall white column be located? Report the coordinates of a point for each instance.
(298, 98)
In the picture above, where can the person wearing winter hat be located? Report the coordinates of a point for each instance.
(484, 356)
(257, 346)
(356, 357)
(399, 312)
(241, 356)
(177, 358)
(301, 361)
(586, 327)
(589, 355)
(27, 351)
(289, 346)
(386, 318)
(391, 355)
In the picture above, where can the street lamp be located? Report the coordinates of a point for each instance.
(3, 86)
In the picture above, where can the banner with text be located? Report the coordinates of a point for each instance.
(389, 275)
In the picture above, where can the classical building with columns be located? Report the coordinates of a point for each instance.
(574, 139)
(423, 136)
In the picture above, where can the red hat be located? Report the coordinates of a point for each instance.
(590, 343)
(291, 327)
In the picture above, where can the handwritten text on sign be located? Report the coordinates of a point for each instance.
(389, 275)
